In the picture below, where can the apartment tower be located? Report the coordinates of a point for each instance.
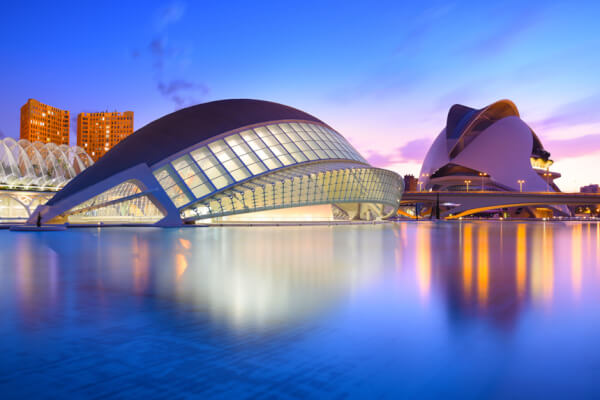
(98, 132)
(43, 123)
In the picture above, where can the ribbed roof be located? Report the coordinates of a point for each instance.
(177, 131)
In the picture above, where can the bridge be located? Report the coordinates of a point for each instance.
(466, 203)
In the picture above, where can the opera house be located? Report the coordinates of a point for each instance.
(489, 149)
(230, 160)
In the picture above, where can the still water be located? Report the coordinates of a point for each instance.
(407, 310)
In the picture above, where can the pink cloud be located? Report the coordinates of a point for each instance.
(575, 147)
(412, 151)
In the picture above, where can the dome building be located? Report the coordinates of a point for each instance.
(229, 160)
(488, 149)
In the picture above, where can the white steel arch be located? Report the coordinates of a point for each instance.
(39, 166)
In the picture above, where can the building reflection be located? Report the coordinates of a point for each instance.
(521, 259)
(483, 267)
(260, 278)
(467, 265)
(576, 262)
(286, 274)
(423, 256)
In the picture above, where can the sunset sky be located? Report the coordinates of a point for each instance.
(384, 74)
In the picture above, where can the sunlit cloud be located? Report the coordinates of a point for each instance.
(412, 151)
(582, 111)
(574, 147)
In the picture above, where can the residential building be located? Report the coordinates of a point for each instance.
(99, 132)
(43, 123)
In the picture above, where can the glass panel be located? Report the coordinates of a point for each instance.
(218, 146)
(234, 140)
(257, 168)
(262, 132)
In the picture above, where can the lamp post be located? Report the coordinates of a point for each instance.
(547, 175)
(420, 183)
(467, 181)
(520, 182)
(420, 186)
(482, 175)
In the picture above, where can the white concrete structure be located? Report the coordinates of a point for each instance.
(39, 166)
(489, 149)
(215, 161)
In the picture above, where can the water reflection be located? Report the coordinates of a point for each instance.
(467, 260)
(483, 268)
(423, 244)
(521, 259)
(378, 300)
(267, 277)
(576, 260)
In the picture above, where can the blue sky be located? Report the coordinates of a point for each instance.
(383, 74)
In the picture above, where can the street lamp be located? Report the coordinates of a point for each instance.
(482, 175)
(420, 183)
(547, 175)
(467, 181)
(420, 186)
(520, 182)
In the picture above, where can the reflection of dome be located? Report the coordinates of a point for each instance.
(37, 165)
(492, 141)
(226, 158)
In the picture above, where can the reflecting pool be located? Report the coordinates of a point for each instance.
(406, 310)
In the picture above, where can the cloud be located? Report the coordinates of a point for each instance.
(397, 74)
(411, 152)
(170, 14)
(179, 91)
(168, 56)
(573, 147)
(511, 29)
(582, 111)
(421, 26)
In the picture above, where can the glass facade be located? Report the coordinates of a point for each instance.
(279, 165)
(139, 210)
(247, 154)
(310, 184)
(124, 202)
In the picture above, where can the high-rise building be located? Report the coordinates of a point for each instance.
(410, 183)
(100, 131)
(44, 123)
(590, 189)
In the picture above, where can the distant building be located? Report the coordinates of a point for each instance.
(229, 160)
(43, 123)
(98, 132)
(590, 189)
(490, 149)
(410, 183)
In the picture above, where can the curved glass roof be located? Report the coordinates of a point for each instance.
(39, 166)
(177, 131)
(246, 154)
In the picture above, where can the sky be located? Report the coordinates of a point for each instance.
(384, 74)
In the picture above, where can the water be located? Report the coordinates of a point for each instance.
(427, 310)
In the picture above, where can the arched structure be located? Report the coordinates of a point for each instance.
(39, 166)
(488, 149)
(222, 159)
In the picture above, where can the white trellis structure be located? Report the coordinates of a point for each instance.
(39, 166)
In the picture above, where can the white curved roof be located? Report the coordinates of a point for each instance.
(493, 140)
(37, 165)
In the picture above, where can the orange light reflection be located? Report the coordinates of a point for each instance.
(521, 259)
(467, 260)
(423, 260)
(483, 268)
